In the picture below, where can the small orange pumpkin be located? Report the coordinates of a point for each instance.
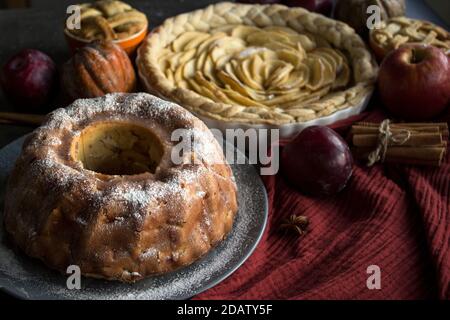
(99, 68)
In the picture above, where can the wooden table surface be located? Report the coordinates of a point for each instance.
(41, 27)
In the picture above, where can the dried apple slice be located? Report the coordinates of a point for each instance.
(267, 55)
(186, 56)
(304, 42)
(316, 78)
(254, 67)
(279, 76)
(215, 90)
(276, 46)
(200, 60)
(206, 43)
(194, 43)
(325, 56)
(231, 81)
(329, 73)
(217, 53)
(222, 61)
(208, 67)
(274, 64)
(294, 57)
(242, 31)
(189, 69)
(204, 91)
(180, 43)
(244, 71)
(194, 85)
(240, 99)
(178, 75)
(338, 57)
(297, 79)
(180, 58)
(230, 45)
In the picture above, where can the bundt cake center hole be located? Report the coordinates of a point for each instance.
(118, 149)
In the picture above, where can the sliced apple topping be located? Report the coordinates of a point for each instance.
(252, 67)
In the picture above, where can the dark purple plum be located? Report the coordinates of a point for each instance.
(317, 161)
(29, 79)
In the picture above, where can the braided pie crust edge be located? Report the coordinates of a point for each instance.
(339, 34)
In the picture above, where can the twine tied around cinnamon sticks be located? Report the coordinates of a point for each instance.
(408, 143)
(384, 138)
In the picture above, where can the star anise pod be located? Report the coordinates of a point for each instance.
(295, 223)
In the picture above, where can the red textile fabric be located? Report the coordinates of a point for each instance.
(393, 216)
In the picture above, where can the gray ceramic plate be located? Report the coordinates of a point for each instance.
(28, 278)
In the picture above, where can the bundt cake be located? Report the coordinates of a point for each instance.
(96, 186)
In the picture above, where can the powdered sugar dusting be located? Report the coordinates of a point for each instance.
(151, 253)
(29, 278)
(62, 173)
(73, 119)
(118, 106)
(55, 173)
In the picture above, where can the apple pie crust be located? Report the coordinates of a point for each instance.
(395, 32)
(108, 20)
(257, 64)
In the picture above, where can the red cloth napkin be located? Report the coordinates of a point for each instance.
(393, 216)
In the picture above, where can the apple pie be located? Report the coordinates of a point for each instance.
(392, 34)
(257, 64)
(108, 20)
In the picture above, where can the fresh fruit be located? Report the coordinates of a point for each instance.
(99, 68)
(354, 12)
(29, 79)
(317, 161)
(414, 82)
(322, 6)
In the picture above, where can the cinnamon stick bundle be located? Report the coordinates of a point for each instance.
(408, 143)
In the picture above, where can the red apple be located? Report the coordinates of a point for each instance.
(414, 82)
(322, 6)
(317, 161)
(29, 79)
